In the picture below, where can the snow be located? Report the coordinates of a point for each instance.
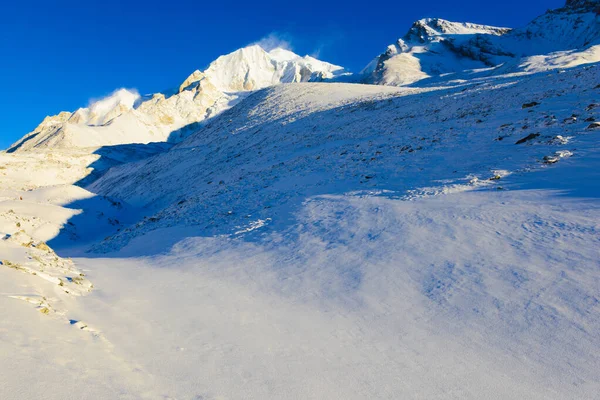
(292, 141)
(561, 59)
(253, 68)
(368, 297)
(312, 239)
(104, 110)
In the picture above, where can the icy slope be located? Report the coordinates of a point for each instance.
(125, 117)
(435, 47)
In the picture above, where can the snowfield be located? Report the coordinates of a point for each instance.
(315, 240)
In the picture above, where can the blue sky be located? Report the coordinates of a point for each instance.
(57, 55)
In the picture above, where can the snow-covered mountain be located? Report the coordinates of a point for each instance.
(125, 117)
(433, 48)
(252, 68)
(437, 48)
(428, 49)
(318, 240)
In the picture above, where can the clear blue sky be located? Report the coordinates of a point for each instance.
(56, 55)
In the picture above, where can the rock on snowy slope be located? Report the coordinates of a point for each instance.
(436, 47)
(125, 117)
(583, 4)
(284, 144)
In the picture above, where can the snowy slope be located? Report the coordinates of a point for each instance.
(125, 117)
(436, 47)
(286, 143)
(322, 241)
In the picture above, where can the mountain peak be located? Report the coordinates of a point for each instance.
(281, 54)
(426, 29)
(252, 68)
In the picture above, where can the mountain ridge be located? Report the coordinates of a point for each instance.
(160, 117)
(433, 49)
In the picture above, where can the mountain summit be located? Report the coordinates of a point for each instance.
(429, 48)
(434, 47)
(252, 68)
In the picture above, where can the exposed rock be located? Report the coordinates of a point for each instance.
(551, 159)
(560, 140)
(586, 4)
(195, 77)
(528, 138)
(529, 105)
(594, 125)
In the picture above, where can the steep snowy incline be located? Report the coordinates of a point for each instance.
(261, 159)
(435, 47)
(124, 117)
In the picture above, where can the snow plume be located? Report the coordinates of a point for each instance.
(275, 40)
(120, 97)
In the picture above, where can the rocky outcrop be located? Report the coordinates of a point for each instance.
(193, 78)
(586, 4)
